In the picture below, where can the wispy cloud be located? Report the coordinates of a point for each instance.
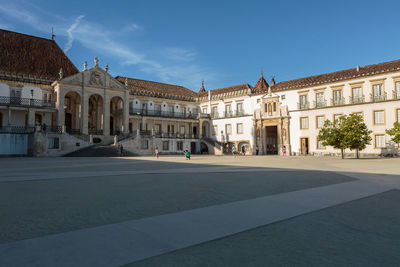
(70, 35)
(176, 65)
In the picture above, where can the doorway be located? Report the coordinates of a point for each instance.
(68, 122)
(272, 140)
(192, 147)
(111, 125)
(304, 145)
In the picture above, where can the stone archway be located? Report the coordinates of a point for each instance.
(72, 111)
(95, 115)
(116, 115)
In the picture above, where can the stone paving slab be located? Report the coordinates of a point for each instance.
(130, 241)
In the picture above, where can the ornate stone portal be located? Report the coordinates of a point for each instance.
(272, 126)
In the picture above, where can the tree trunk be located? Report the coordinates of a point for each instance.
(358, 154)
(342, 152)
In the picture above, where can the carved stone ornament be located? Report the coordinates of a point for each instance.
(95, 79)
(96, 61)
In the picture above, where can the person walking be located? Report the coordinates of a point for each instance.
(284, 150)
(243, 151)
(121, 150)
(187, 154)
(156, 151)
(233, 150)
(257, 150)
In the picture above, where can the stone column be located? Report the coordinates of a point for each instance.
(31, 117)
(85, 114)
(106, 116)
(262, 150)
(125, 116)
(60, 107)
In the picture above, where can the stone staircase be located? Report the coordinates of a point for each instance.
(98, 151)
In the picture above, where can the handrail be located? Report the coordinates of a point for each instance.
(30, 102)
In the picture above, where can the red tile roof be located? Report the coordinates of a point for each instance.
(157, 89)
(338, 76)
(261, 84)
(23, 54)
(244, 86)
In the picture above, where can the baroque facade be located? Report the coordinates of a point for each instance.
(50, 108)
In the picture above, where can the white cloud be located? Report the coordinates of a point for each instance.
(175, 65)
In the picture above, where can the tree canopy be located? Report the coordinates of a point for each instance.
(395, 132)
(346, 132)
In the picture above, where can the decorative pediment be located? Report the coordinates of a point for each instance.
(95, 77)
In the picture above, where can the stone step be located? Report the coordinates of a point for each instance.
(98, 151)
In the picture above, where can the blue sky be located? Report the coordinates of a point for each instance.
(223, 42)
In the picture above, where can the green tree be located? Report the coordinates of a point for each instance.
(395, 132)
(356, 133)
(331, 134)
(346, 132)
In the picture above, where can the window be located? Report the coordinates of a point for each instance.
(205, 110)
(283, 97)
(16, 93)
(337, 97)
(171, 109)
(239, 108)
(336, 117)
(228, 110)
(54, 143)
(380, 141)
(304, 123)
(144, 144)
(319, 99)
(356, 95)
(379, 117)
(359, 114)
(215, 130)
(45, 98)
(179, 145)
(228, 129)
(303, 102)
(378, 92)
(157, 128)
(320, 121)
(397, 93)
(398, 114)
(320, 144)
(182, 129)
(214, 111)
(274, 106)
(165, 145)
(265, 108)
(239, 128)
(258, 101)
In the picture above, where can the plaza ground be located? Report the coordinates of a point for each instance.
(209, 211)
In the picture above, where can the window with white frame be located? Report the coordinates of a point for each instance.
(397, 94)
(398, 115)
(182, 129)
(214, 111)
(258, 101)
(320, 144)
(165, 145)
(215, 130)
(380, 141)
(319, 99)
(336, 117)
(378, 92)
(320, 121)
(228, 110)
(379, 117)
(239, 128)
(304, 123)
(356, 93)
(228, 129)
(283, 97)
(303, 101)
(205, 110)
(239, 108)
(337, 97)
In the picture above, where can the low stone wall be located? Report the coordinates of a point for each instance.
(44, 144)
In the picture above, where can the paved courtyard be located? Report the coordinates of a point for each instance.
(209, 211)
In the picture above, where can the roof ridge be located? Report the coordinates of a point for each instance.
(29, 35)
(116, 77)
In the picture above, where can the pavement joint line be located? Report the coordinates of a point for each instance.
(130, 241)
(18, 177)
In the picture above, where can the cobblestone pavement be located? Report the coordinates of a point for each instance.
(209, 211)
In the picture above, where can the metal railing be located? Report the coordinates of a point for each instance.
(166, 114)
(356, 99)
(30, 102)
(337, 101)
(378, 98)
(396, 94)
(95, 132)
(305, 105)
(16, 129)
(320, 103)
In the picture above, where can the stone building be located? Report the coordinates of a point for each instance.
(50, 108)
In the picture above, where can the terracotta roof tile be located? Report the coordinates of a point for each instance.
(244, 86)
(157, 89)
(261, 84)
(337, 76)
(23, 54)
